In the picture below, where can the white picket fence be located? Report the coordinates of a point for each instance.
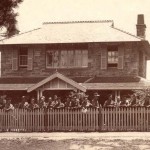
(103, 119)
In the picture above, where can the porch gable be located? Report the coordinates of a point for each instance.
(57, 81)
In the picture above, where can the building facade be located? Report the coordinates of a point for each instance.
(85, 56)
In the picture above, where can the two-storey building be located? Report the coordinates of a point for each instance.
(82, 55)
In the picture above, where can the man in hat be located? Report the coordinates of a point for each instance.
(109, 102)
(55, 102)
(71, 94)
(24, 103)
(68, 102)
(9, 106)
(49, 103)
(133, 100)
(94, 101)
(59, 103)
(123, 102)
(33, 105)
(42, 103)
(86, 103)
(2, 103)
(75, 103)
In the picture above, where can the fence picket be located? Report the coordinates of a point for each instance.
(103, 119)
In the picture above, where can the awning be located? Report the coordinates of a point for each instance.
(115, 86)
(58, 81)
(14, 87)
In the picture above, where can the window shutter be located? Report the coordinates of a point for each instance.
(78, 61)
(104, 57)
(120, 56)
(84, 58)
(30, 59)
(14, 59)
(56, 59)
(70, 58)
(63, 56)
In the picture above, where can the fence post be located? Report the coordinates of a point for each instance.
(100, 118)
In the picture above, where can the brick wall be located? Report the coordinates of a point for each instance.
(131, 63)
(142, 64)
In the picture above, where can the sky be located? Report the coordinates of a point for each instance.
(32, 13)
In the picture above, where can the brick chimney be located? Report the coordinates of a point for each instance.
(141, 27)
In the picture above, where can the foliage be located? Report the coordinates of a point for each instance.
(142, 94)
(8, 16)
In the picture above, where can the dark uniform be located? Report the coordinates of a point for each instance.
(24, 104)
(33, 105)
(109, 102)
(94, 101)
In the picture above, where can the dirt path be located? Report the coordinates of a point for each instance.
(75, 141)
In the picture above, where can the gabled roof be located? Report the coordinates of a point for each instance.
(73, 32)
(60, 76)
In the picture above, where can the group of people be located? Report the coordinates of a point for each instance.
(5, 103)
(130, 101)
(72, 101)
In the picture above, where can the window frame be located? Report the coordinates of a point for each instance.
(23, 55)
(75, 58)
(112, 56)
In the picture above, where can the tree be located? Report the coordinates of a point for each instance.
(8, 16)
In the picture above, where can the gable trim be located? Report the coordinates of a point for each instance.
(60, 76)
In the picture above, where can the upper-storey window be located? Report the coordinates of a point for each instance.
(66, 58)
(112, 56)
(23, 57)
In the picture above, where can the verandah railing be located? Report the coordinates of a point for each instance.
(103, 119)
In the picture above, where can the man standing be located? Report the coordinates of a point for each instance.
(95, 100)
(110, 102)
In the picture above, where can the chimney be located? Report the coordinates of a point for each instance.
(141, 27)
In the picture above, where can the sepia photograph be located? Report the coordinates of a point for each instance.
(74, 75)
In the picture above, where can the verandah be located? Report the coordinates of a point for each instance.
(102, 119)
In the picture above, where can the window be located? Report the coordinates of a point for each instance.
(112, 56)
(66, 58)
(23, 57)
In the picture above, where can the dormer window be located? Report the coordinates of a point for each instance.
(112, 56)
